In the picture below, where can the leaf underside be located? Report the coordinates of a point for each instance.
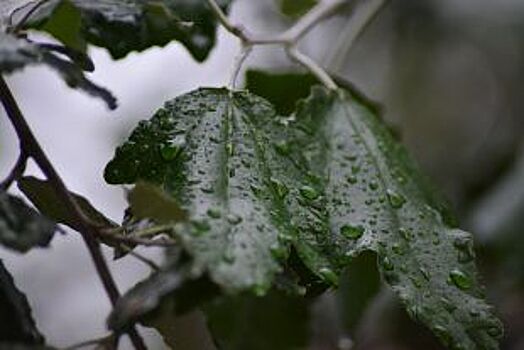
(21, 227)
(136, 25)
(328, 183)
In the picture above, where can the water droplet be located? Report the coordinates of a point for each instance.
(230, 149)
(214, 213)
(278, 251)
(201, 226)
(460, 279)
(355, 169)
(396, 200)
(309, 192)
(171, 149)
(352, 231)
(279, 187)
(233, 219)
(352, 179)
(373, 185)
(207, 189)
(283, 148)
(328, 275)
(495, 331)
(387, 264)
(397, 249)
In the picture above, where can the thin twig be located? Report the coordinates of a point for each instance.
(17, 171)
(239, 61)
(27, 16)
(288, 39)
(297, 56)
(31, 146)
(362, 17)
(153, 265)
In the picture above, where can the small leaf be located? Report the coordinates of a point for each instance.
(276, 322)
(151, 202)
(65, 24)
(17, 322)
(16, 53)
(21, 227)
(136, 25)
(43, 196)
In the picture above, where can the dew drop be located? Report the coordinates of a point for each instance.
(387, 264)
(396, 200)
(352, 179)
(373, 185)
(352, 231)
(214, 213)
(309, 192)
(233, 219)
(328, 275)
(279, 187)
(460, 279)
(201, 226)
(283, 148)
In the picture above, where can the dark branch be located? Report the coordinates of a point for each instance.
(17, 171)
(89, 233)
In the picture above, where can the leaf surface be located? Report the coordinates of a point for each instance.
(21, 227)
(377, 201)
(136, 25)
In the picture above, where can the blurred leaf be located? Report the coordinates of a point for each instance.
(17, 322)
(359, 285)
(21, 227)
(16, 53)
(42, 194)
(295, 8)
(283, 90)
(377, 201)
(151, 202)
(275, 321)
(65, 24)
(136, 25)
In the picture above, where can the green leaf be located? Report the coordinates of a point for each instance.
(295, 8)
(151, 202)
(16, 53)
(276, 322)
(210, 150)
(136, 25)
(17, 322)
(377, 201)
(42, 194)
(65, 24)
(21, 227)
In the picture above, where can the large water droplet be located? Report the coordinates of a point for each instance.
(279, 187)
(352, 231)
(309, 192)
(328, 275)
(460, 279)
(395, 199)
(387, 264)
(234, 219)
(373, 185)
(172, 148)
(405, 233)
(214, 213)
(352, 179)
(283, 148)
(201, 226)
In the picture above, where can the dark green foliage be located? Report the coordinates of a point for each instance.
(275, 321)
(21, 227)
(133, 25)
(330, 182)
(17, 324)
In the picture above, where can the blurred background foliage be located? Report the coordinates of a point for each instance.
(449, 77)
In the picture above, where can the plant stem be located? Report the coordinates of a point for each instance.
(288, 39)
(89, 233)
(16, 172)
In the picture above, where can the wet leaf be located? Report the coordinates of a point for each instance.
(134, 25)
(370, 184)
(18, 326)
(151, 202)
(21, 227)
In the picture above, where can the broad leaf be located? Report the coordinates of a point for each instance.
(21, 227)
(16, 53)
(135, 25)
(17, 324)
(210, 150)
(377, 201)
(43, 196)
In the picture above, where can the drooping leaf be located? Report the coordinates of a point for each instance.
(65, 24)
(377, 201)
(44, 197)
(275, 321)
(210, 150)
(21, 227)
(18, 326)
(16, 53)
(135, 25)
